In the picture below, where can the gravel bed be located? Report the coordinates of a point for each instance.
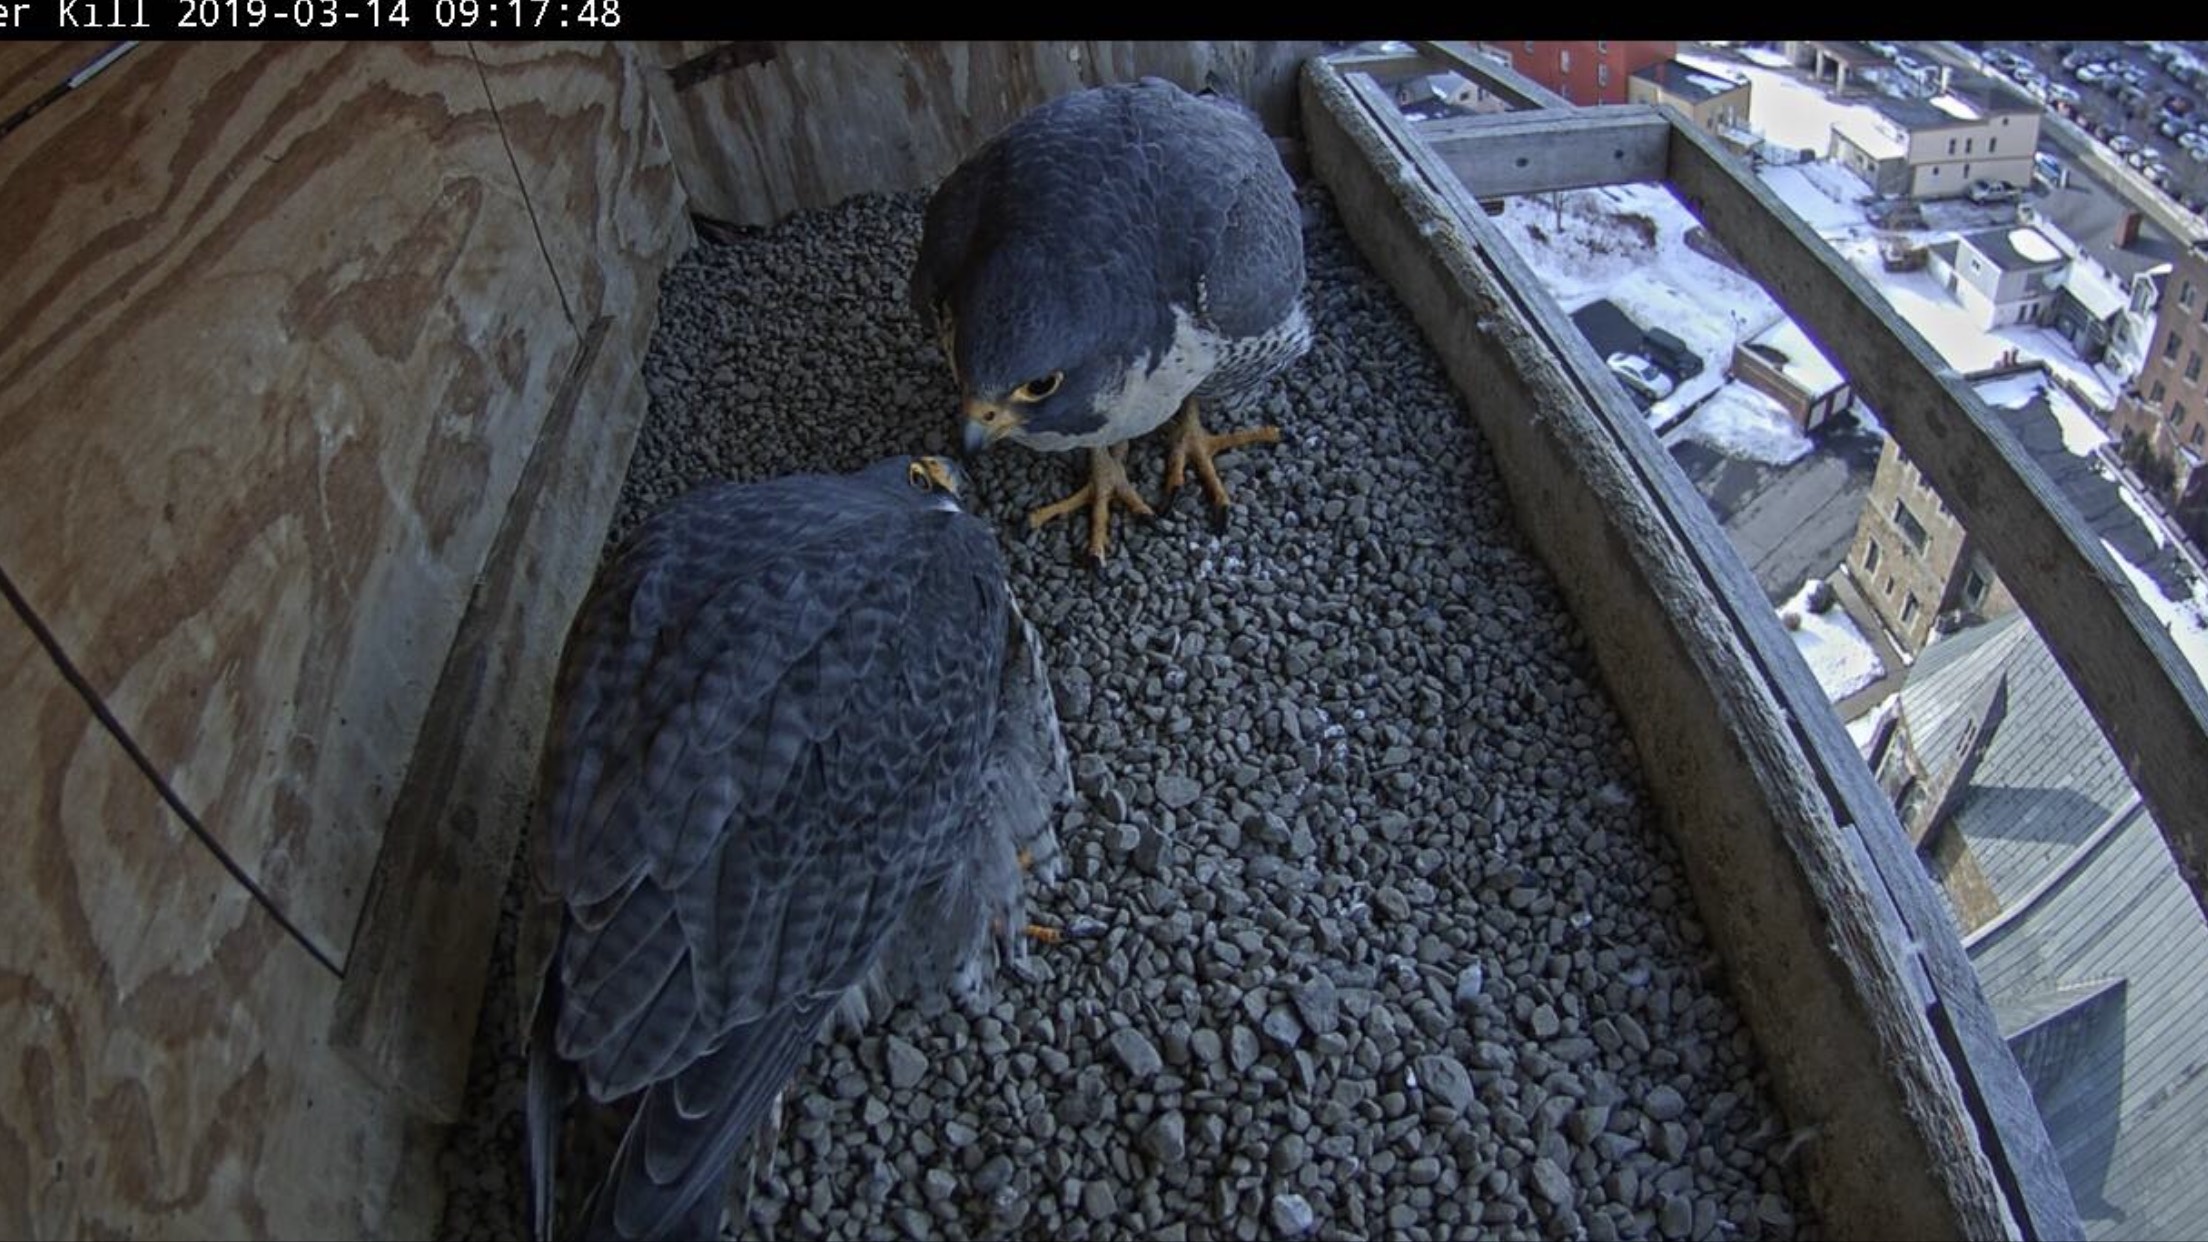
(1395, 949)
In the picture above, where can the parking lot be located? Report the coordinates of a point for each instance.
(2142, 100)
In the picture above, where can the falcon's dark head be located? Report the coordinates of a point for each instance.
(930, 482)
(1039, 353)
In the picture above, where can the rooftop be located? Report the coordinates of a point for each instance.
(1799, 358)
(1688, 82)
(2094, 967)
(2015, 249)
(2093, 220)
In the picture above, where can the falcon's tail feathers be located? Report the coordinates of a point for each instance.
(670, 1178)
(550, 1087)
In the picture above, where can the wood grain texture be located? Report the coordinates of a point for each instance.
(30, 68)
(1812, 949)
(277, 337)
(821, 121)
(602, 188)
(162, 1070)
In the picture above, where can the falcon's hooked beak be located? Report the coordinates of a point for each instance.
(987, 423)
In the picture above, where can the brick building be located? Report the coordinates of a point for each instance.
(2164, 414)
(1583, 71)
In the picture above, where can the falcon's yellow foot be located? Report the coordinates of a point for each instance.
(1107, 484)
(1191, 443)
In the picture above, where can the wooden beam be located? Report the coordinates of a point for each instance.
(1508, 153)
(1813, 943)
(2146, 699)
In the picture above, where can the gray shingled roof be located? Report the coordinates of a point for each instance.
(2097, 966)
(2047, 779)
(2090, 216)
(2120, 1073)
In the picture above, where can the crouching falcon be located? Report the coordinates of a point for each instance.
(1114, 259)
(802, 742)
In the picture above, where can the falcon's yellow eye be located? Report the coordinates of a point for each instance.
(917, 475)
(1037, 389)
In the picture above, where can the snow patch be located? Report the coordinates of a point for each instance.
(1739, 421)
(2034, 246)
(1843, 661)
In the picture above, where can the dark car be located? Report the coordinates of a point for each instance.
(1670, 353)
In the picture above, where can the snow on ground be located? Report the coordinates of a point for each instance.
(1826, 197)
(1587, 245)
(2055, 349)
(1951, 329)
(2081, 434)
(1781, 107)
(1865, 727)
(1836, 651)
(1739, 421)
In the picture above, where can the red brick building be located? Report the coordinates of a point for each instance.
(2164, 413)
(1583, 71)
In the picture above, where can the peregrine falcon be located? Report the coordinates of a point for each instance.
(801, 746)
(1115, 256)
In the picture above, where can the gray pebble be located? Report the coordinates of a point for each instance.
(1292, 1216)
(1136, 1053)
(907, 1064)
(1445, 1078)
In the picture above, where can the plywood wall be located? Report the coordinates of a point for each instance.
(162, 1058)
(761, 130)
(318, 374)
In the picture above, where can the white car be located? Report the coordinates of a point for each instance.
(1640, 375)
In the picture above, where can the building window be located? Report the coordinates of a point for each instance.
(2177, 415)
(1529, 47)
(2170, 350)
(1564, 61)
(1966, 170)
(2185, 294)
(1951, 146)
(1603, 46)
(1974, 589)
(2156, 395)
(1889, 587)
(1968, 144)
(2200, 431)
(1992, 145)
(1911, 528)
(1870, 556)
(2192, 368)
(1909, 608)
(1602, 74)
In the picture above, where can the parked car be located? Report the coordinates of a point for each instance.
(2158, 173)
(2123, 144)
(1984, 190)
(1895, 213)
(1640, 376)
(1670, 353)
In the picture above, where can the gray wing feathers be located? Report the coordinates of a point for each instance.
(763, 748)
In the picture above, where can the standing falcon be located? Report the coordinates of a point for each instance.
(1113, 257)
(801, 740)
